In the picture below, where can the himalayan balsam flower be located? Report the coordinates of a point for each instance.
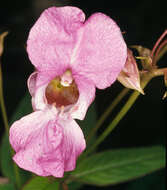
(72, 57)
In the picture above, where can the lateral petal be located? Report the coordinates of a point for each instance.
(46, 144)
(73, 143)
(33, 138)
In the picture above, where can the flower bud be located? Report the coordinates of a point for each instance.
(143, 52)
(2, 36)
(144, 56)
(129, 76)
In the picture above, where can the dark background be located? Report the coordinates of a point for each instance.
(143, 21)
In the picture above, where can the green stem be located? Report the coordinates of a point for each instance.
(120, 115)
(5, 120)
(16, 171)
(2, 104)
(107, 112)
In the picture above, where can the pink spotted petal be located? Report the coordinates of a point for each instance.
(23, 128)
(52, 38)
(35, 137)
(39, 101)
(86, 96)
(46, 145)
(101, 52)
(73, 143)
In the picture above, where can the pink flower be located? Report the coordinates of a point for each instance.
(72, 57)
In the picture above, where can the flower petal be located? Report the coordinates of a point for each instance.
(37, 92)
(86, 96)
(28, 137)
(31, 83)
(77, 111)
(63, 158)
(73, 143)
(45, 144)
(102, 51)
(22, 128)
(53, 37)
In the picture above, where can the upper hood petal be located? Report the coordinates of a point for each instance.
(52, 38)
(101, 52)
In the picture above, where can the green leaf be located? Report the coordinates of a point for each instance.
(74, 185)
(41, 183)
(116, 166)
(153, 181)
(7, 187)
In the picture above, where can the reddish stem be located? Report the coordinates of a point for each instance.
(64, 186)
(158, 42)
(158, 50)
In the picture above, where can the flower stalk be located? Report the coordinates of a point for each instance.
(64, 186)
(2, 104)
(161, 50)
(107, 112)
(157, 43)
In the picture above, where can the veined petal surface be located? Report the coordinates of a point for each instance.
(45, 144)
(53, 37)
(86, 96)
(101, 52)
